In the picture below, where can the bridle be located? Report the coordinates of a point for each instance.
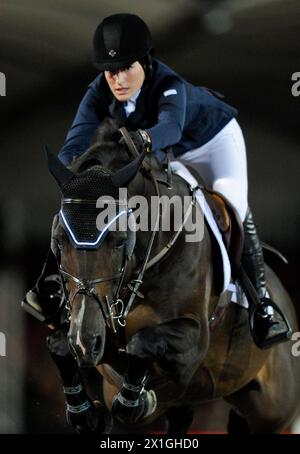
(117, 311)
(110, 312)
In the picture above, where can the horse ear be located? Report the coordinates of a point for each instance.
(123, 176)
(57, 169)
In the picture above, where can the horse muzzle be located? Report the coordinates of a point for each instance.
(87, 332)
(87, 350)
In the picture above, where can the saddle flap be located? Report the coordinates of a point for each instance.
(220, 212)
(230, 225)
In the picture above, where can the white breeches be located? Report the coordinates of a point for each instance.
(222, 163)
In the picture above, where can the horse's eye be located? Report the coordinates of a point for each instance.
(59, 245)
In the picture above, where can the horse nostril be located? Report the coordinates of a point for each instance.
(97, 344)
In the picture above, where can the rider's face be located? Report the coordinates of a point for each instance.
(124, 83)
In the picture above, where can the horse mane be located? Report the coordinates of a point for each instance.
(105, 143)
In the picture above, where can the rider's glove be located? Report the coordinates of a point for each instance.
(141, 140)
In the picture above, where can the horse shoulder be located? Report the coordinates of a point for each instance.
(232, 360)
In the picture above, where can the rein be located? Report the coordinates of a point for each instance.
(137, 282)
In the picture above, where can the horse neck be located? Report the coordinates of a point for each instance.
(144, 186)
(188, 266)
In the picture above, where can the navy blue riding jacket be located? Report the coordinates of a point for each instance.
(173, 112)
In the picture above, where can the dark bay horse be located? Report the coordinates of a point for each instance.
(152, 341)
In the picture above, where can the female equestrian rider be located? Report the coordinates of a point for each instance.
(161, 109)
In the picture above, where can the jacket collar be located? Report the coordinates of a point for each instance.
(136, 119)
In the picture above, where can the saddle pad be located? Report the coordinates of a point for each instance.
(179, 169)
(238, 297)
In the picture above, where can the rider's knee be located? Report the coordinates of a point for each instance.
(235, 192)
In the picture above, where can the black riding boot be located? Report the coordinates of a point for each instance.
(45, 300)
(267, 323)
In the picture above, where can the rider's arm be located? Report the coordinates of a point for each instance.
(171, 116)
(88, 117)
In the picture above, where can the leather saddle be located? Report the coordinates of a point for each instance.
(226, 216)
(229, 224)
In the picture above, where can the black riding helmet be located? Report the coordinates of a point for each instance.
(120, 40)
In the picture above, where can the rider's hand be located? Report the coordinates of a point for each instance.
(141, 140)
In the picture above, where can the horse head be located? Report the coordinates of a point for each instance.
(94, 248)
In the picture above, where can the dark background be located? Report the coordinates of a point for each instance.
(246, 49)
